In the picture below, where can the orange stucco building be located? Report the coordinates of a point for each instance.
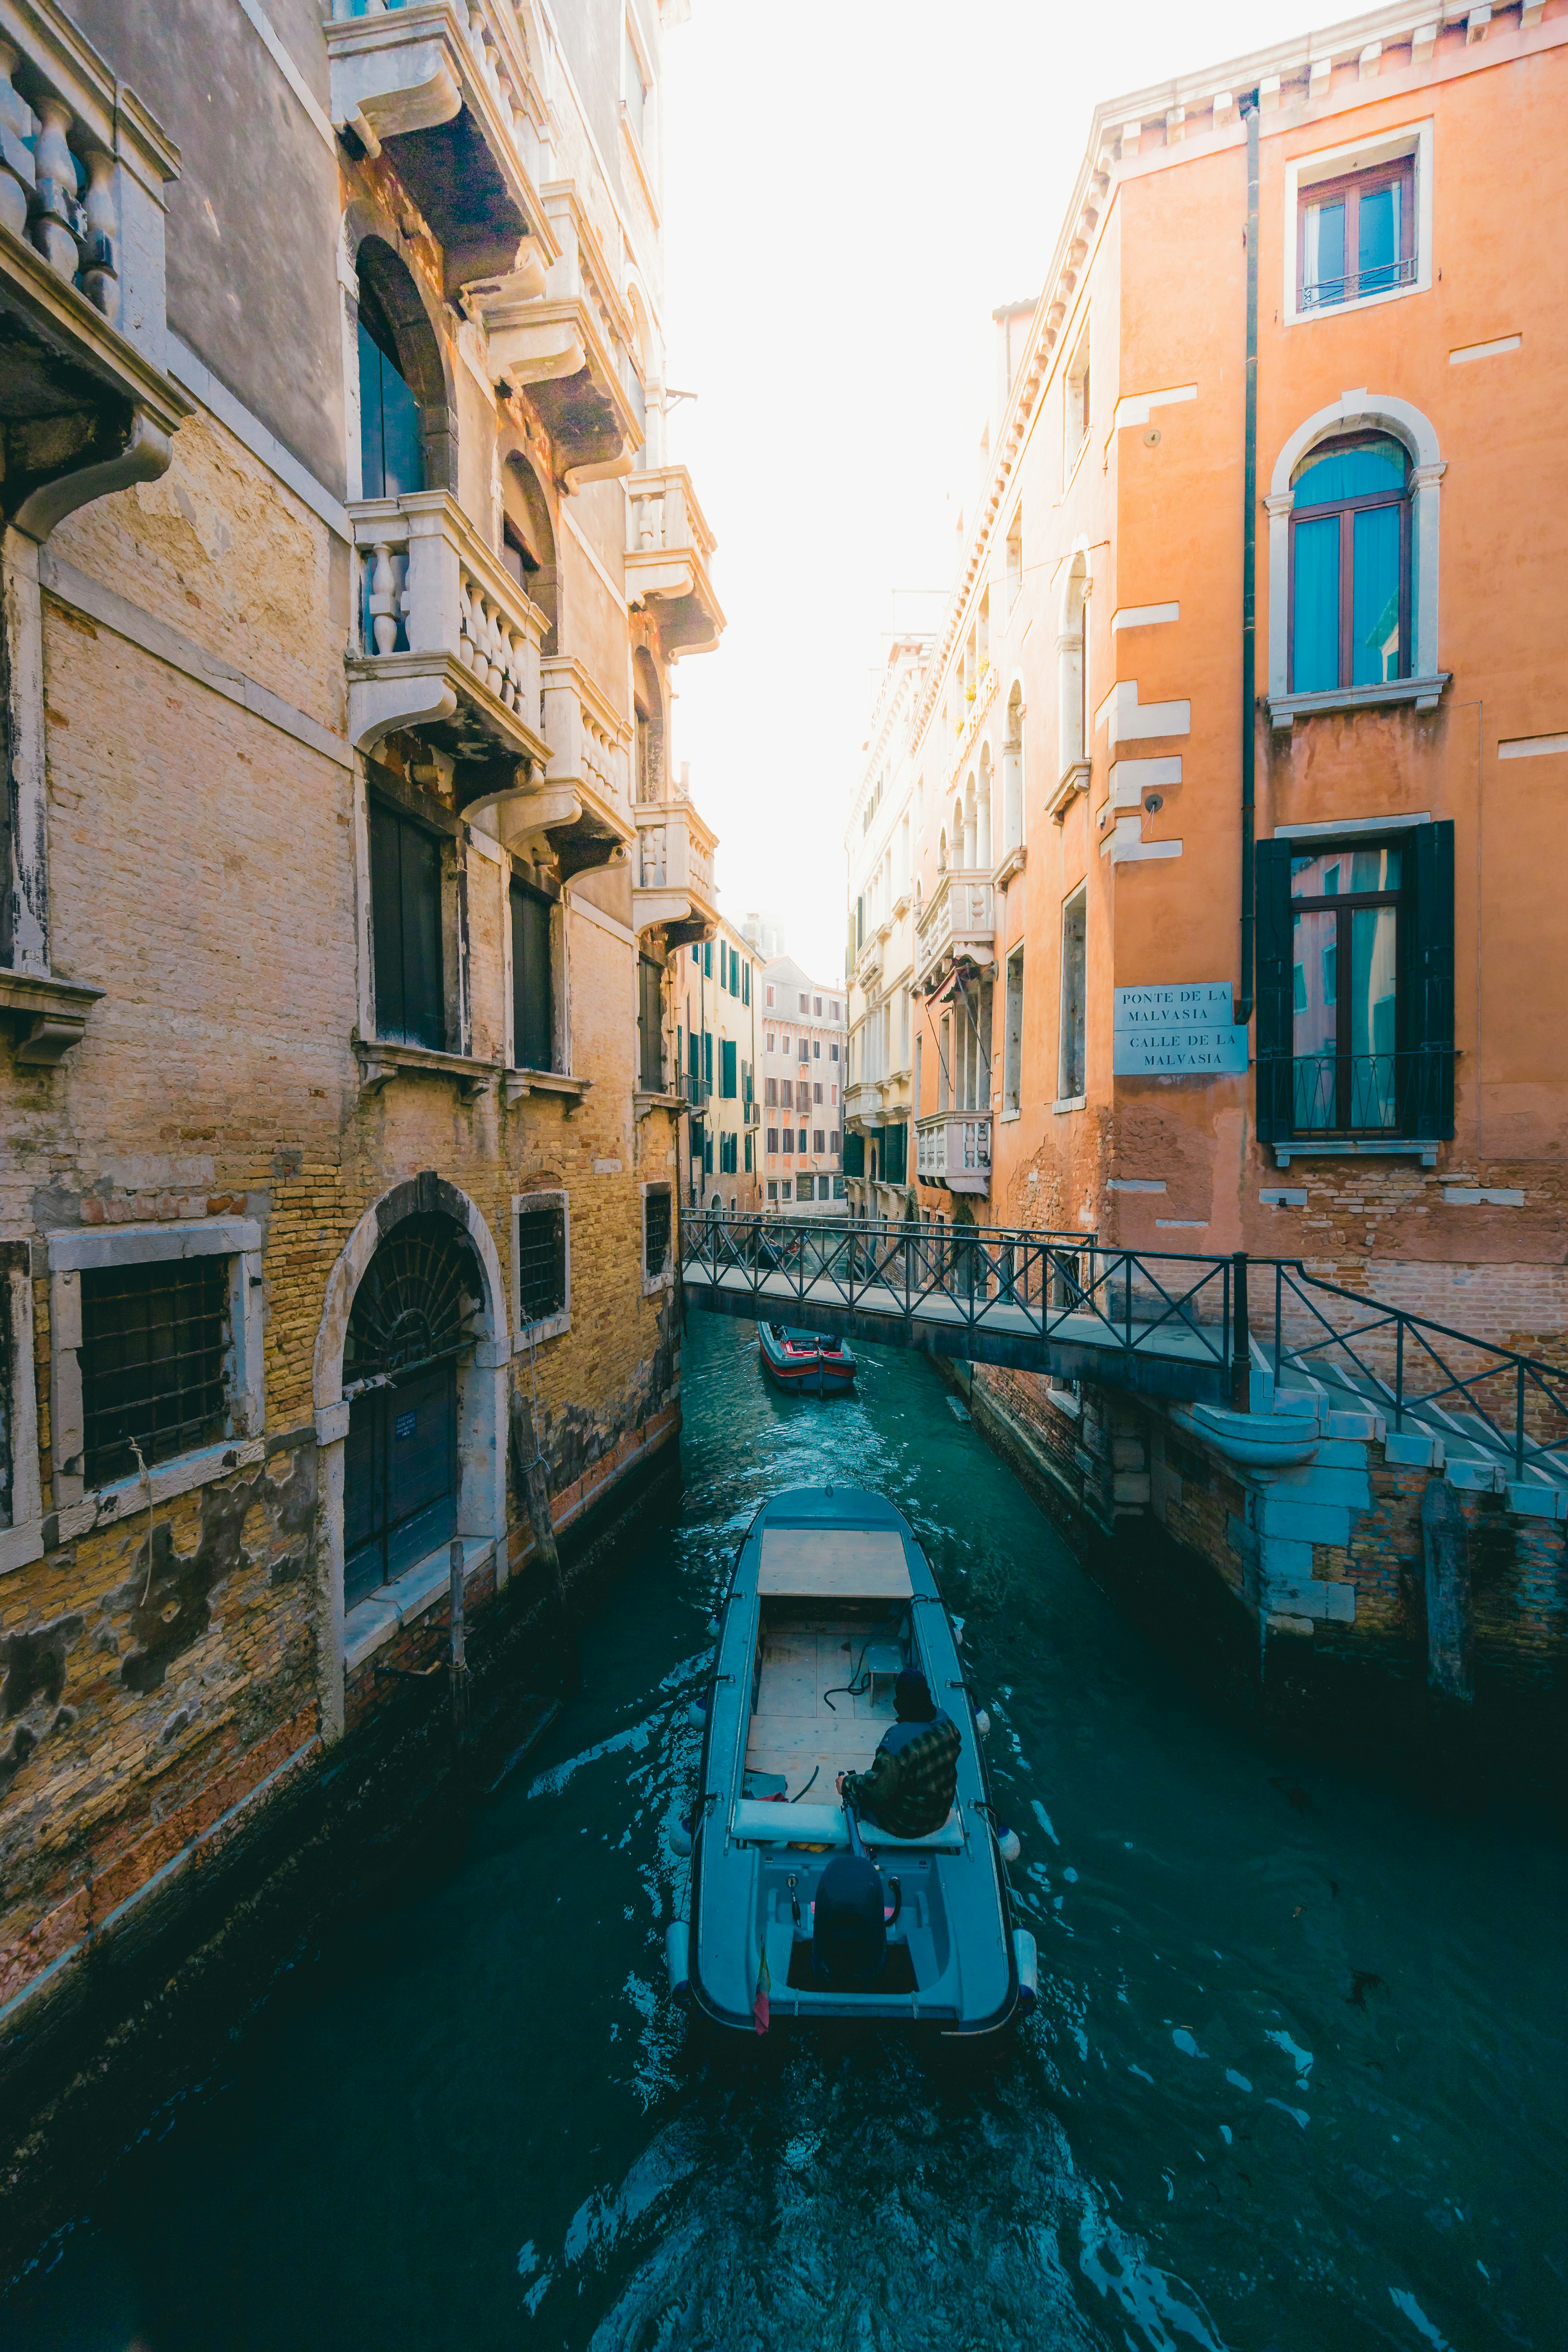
(1343, 1041)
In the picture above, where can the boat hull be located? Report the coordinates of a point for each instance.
(806, 1363)
(768, 1819)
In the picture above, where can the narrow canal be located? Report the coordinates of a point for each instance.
(1296, 2079)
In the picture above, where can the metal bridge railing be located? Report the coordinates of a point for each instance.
(1415, 1370)
(1072, 1288)
(1064, 1286)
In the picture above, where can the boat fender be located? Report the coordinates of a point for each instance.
(982, 1721)
(1028, 1969)
(713, 1625)
(681, 1836)
(697, 1715)
(957, 1624)
(1007, 1844)
(676, 1942)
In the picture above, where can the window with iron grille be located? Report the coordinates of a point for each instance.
(542, 1266)
(656, 1234)
(153, 1344)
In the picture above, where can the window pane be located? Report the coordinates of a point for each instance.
(151, 1356)
(1336, 872)
(1315, 1025)
(1335, 471)
(1074, 979)
(1323, 264)
(1378, 238)
(1373, 952)
(391, 458)
(532, 1009)
(1315, 663)
(1374, 597)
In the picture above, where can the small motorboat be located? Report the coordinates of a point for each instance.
(830, 1599)
(812, 1361)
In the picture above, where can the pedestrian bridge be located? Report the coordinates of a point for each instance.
(1040, 1302)
(1164, 1323)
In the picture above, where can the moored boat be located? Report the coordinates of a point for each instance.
(814, 1361)
(831, 1599)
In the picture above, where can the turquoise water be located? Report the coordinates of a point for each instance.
(1296, 2079)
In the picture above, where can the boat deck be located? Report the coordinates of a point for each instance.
(794, 1730)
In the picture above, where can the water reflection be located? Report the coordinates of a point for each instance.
(1296, 2079)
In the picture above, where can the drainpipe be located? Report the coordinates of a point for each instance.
(1249, 577)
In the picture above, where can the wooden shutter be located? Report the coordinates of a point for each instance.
(1430, 996)
(1275, 967)
(727, 1068)
(405, 930)
(650, 1023)
(534, 1020)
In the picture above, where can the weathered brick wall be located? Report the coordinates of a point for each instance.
(201, 873)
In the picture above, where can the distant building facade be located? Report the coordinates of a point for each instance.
(884, 1045)
(717, 988)
(803, 1091)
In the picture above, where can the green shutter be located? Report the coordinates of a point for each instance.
(1274, 998)
(745, 984)
(708, 1056)
(854, 1155)
(727, 1068)
(1430, 994)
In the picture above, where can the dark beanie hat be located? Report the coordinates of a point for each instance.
(912, 1696)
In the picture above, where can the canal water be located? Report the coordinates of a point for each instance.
(1297, 2078)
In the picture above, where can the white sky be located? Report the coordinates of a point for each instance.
(851, 187)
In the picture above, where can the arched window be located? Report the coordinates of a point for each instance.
(392, 452)
(1013, 772)
(983, 812)
(528, 543)
(1349, 564)
(1072, 668)
(941, 851)
(648, 705)
(411, 1325)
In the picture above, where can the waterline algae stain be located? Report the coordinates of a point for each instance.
(1295, 2080)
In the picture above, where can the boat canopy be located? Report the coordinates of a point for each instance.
(834, 1563)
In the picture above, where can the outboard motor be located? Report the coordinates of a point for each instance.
(849, 1935)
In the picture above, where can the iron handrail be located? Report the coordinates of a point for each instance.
(1530, 1378)
(1401, 1363)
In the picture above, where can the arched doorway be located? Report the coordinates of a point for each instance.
(527, 543)
(410, 1330)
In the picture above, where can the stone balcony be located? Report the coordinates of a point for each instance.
(448, 641)
(669, 545)
(672, 883)
(562, 342)
(589, 763)
(953, 1149)
(446, 91)
(957, 926)
(863, 1103)
(86, 404)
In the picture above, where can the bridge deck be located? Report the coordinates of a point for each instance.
(1161, 1359)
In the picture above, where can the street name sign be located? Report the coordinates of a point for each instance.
(1183, 1029)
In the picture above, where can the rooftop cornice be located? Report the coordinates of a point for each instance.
(1175, 109)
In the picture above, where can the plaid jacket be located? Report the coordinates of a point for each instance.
(911, 1792)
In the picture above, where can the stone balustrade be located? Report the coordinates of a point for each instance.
(953, 1147)
(440, 611)
(672, 882)
(588, 738)
(63, 203)
(958, 922)
(669, 548)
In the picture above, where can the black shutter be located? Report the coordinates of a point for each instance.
(405, 930)
(1275, 989)
(533, 1025)
(650, 1023)
(1429, 1105)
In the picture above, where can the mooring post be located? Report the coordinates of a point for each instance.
(1445, 1551)
(1240, 1335)
(459, 1670)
